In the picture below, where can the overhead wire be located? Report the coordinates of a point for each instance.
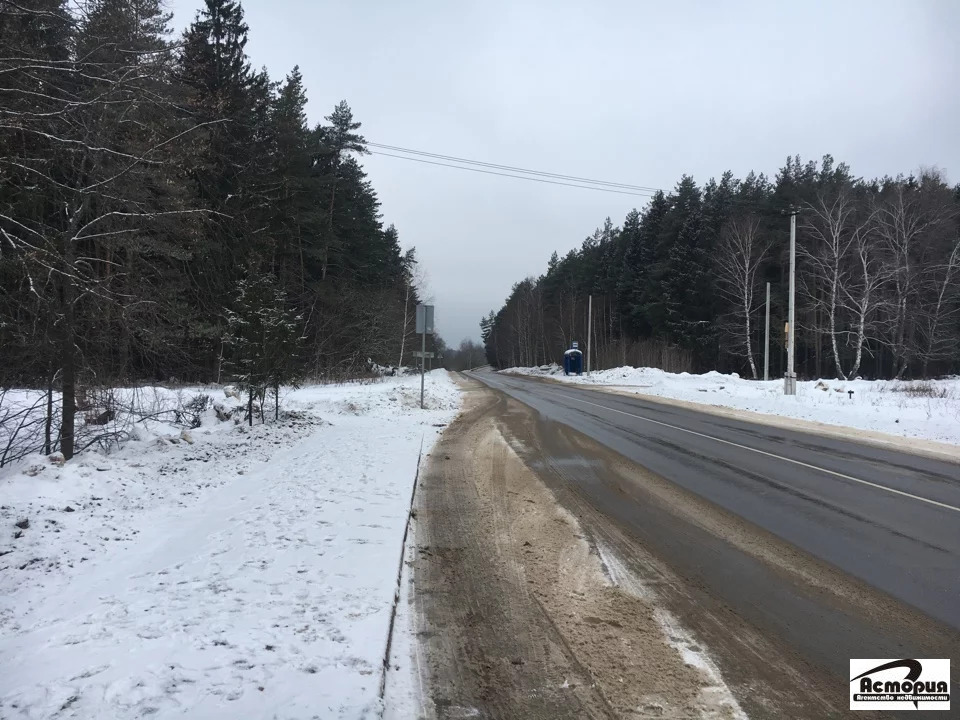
(517, 177)
(527, 171)
(541, 176)
(527, 174)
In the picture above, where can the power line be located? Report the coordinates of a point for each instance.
(517, 177)
(758, 204)
(511, 168)
(626, 186)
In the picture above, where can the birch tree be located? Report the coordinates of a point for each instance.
(939, 339)
(906, 212)
(739, 255)
(829, 224)
(862, 293)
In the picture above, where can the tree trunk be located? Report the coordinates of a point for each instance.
(68, 356)
(861, 336)
(833, 338)
(326, 246)
(48, 424)
(303, 274)
(403, 335)
(901, 342)
(746, 335)
(69, 399)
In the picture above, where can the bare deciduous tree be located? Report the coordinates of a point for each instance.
(828, 223)
(939, 340)
(414, 281)
(739, 255)
(81, 147)
(862, 290)
(906, 212)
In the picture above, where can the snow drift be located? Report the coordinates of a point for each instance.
(928, 409)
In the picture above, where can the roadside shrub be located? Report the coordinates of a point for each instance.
(923, 389)
(191, 412)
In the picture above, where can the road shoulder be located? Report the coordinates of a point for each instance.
(514, 610)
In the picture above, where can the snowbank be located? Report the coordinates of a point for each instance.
(221, 572)
(928, 410)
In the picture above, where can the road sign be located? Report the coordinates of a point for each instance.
(425, 319)
(421, 354)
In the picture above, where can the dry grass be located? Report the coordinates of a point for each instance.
(922, 389)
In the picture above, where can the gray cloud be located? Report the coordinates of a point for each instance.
(632, 92)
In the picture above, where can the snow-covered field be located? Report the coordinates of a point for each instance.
(928, 410)
(226, 572)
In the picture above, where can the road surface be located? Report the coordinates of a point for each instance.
(809, 490)
(784, 554)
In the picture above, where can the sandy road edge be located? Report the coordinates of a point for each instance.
(873, 438)
(521, 618)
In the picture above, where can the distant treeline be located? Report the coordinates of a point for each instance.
(681, 285)
(167, 211)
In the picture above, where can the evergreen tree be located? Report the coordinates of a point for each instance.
(228, 156)
(143, 187)
(335, 142)
(263, 336)
(297, 216)
(890, 307)
(36, 41)
(633, 275)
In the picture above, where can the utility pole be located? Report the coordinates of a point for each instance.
(790, 379)
(766, 341)
(589, 328)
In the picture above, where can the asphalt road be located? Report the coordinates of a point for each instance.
(888, 518)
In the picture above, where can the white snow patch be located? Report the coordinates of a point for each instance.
(621, 576)
(249, 574)
(717, 694)
(404, 693)
(714, 695)
(927, 409)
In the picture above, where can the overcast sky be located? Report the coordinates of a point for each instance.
(633, 92)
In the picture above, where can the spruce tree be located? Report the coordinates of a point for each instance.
(648, 309)
(633, 271)
(227, 157)
(334, 144)
(296, 212)
(263, 337)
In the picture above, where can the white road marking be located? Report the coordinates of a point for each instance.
(773, 455)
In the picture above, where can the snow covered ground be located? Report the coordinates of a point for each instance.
(928, 410)
(226, 572)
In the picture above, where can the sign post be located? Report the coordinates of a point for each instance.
(424, 327)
